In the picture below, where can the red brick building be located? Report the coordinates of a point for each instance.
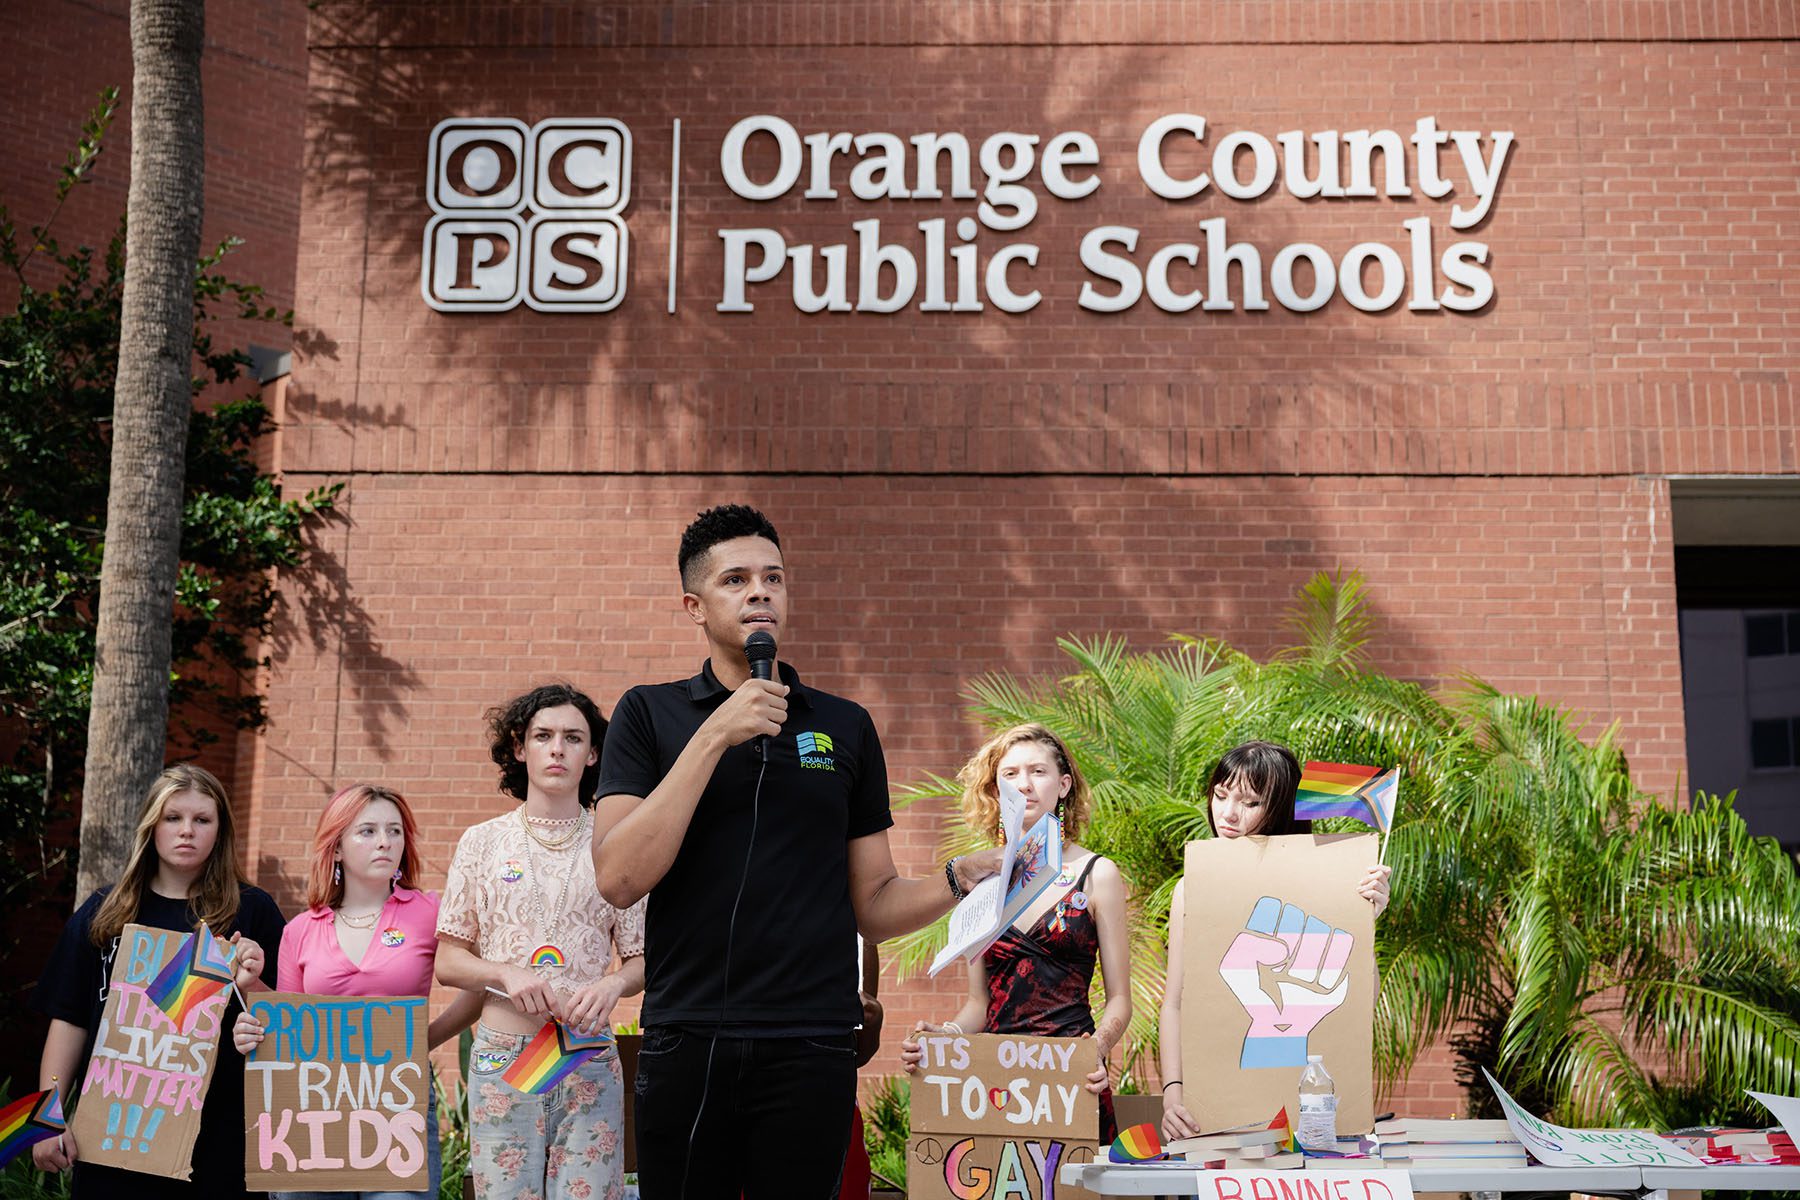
(1515, 473)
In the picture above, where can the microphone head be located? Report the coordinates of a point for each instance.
(759, 652)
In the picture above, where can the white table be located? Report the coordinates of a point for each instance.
(1723, 1177)
(1113, 1179)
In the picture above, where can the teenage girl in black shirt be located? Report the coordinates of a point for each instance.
(182, 871)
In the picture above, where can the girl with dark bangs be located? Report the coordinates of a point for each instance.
(1250, 794)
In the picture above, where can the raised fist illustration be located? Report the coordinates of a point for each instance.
(1289, 971)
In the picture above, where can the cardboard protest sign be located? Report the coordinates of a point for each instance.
(1559, 1146)
(1278, 963)
(154, 1052)
(335, 1097)
(998, 1115)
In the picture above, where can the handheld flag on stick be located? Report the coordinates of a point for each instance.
(1135, 1145)
(1290, 1143)
(198, 970)
(28, 1120)
(1369, 794)
(549, 1057)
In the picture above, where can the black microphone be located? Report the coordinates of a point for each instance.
(759, 652)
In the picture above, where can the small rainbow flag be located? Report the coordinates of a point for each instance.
(1135, 1145)
(551, 1055)
(1291, 1143)
(1347, 790)
(28, 1120)
(199, 969)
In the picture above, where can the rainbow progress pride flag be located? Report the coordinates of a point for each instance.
(198, 970)
(551, 1055)
(1346, 790)
(30, 1119)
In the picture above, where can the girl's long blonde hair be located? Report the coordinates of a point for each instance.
(981, 789)
(213, 900)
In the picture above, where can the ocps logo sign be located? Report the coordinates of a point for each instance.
(527, 213)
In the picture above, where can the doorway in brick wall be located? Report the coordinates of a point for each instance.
(1737, 586)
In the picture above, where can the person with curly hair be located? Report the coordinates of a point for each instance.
(1035, 979)
(523, 920)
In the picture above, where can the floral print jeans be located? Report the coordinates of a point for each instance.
(563, 1145)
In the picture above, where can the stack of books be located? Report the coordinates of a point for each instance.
(1724, 1144)
(1409, 1143)
(1251, 1148)
(1352, 1154)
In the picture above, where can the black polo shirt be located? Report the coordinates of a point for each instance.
(826, 784)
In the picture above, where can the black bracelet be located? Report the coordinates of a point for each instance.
(1170, 1084)
(956, 891)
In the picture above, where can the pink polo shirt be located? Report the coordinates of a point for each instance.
(398, 961)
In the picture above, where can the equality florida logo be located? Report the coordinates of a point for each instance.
(527, 215)
(815, 751)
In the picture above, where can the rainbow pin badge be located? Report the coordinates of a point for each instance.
(548, 956)
(393, 937)
(512, 872)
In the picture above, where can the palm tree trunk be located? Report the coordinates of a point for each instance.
(128, 725)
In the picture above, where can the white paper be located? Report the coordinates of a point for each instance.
(1559, 1146)
(1029, 863)
(1786, 1110)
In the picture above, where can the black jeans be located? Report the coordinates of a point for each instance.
(775, 1124)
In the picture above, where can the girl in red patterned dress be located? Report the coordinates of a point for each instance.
(1036, 978)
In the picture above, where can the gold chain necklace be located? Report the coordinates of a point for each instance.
(364, 922)
(549, 843)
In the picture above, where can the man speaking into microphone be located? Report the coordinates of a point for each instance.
(753, 811)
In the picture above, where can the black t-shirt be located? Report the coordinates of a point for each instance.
(73, 989)
(826, 784)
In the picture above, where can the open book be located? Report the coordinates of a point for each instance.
(1032, 859)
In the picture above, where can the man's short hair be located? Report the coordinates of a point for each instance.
(508, 723)
(715, 525)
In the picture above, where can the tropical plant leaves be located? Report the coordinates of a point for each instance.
(1615, 960)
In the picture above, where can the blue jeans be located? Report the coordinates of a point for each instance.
(435, 1156)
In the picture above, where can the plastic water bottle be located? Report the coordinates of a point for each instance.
(1318, 1107)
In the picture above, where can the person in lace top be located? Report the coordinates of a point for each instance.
(523, 919)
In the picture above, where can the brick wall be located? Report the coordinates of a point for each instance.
(957, 491)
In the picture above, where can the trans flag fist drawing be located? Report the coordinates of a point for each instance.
(1290, 972)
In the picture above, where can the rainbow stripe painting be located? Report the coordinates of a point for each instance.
(547, 956)
(1346, 790)
(28, 1120)
(1135, 1145)
(199, 969)
(549, 1057)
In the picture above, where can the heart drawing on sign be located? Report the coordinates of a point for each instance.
(998, 1097)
